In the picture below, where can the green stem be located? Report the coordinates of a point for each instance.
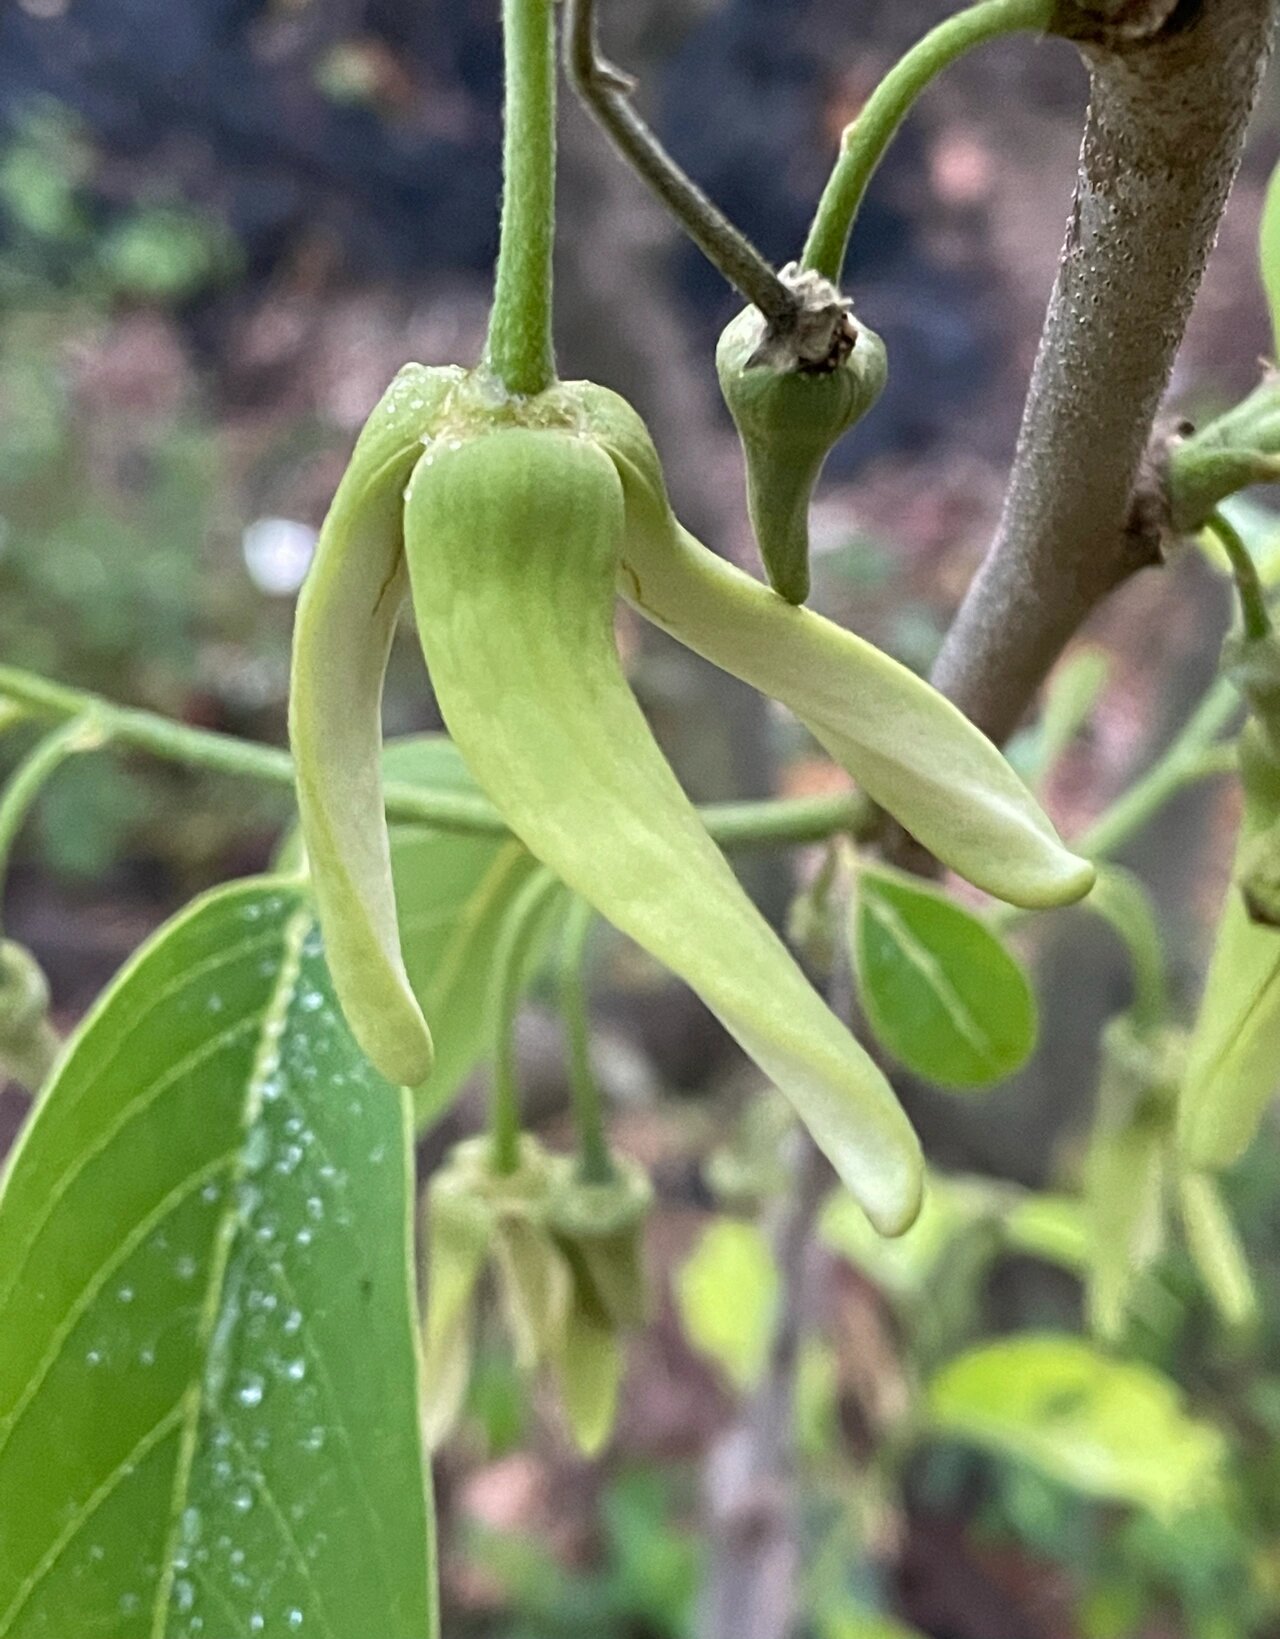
(519, 349)
(509, 962)
(84, 732)
(782, 823)
(865, 141)
(607, 93)
(1195, 754)
(1253, 598)
(1125, 905)
(595, 1164)
(1192, 756)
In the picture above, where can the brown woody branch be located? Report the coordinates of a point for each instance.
(1173, 85)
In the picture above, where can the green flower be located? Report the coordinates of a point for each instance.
(513, 522)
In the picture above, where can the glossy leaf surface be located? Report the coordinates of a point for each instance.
(208, 1369)
(939, 989)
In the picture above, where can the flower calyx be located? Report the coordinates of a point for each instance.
(793, 393)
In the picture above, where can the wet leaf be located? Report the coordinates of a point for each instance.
(1105, 1427)
(208, 1370)
(940, 991)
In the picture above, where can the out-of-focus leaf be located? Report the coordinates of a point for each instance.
(1215, 1248)
(851, 1622)
(1073, 691)
(1105, 1427)
(904, 1266)
(941, 992)
(208, 1367)
(1269, 254)
(1050, 1227)
(727, 1293)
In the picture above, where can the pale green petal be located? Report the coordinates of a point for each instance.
(513, 541)
(907, 746)
(346, 618)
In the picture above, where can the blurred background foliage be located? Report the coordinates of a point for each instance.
(223, 225)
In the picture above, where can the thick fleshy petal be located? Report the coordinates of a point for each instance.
(907, 746)
(513, 541)
(346, 618)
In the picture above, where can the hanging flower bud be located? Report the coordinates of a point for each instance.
(514, 537)
(791, 405)
(479, 1218)
(600, 1227)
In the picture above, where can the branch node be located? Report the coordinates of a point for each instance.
(1115, 25)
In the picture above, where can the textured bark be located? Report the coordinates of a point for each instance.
(1162, 144)
(749, 1480)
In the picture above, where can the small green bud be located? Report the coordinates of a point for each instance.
(600, 1229)
(1259, 877)
(1231, 452)
(792, 401)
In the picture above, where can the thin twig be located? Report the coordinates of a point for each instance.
(781, 823)
(607, 92)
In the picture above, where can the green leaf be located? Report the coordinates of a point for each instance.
(1052, 1228)
(940, 991)
(1105, 1427)
(1269, 254)
(853, 1622)
(727, 1294)
(208, 1366)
